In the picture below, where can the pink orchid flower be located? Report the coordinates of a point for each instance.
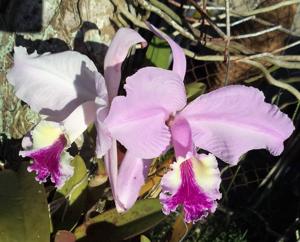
(127, 179)
(69, 92)
(226, 122)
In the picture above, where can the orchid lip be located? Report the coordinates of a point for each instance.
(182, 188)
(48, 162)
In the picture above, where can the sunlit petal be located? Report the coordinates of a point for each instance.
(156, 87)
(179, 60)
(132, 175)
(124, 39)
(77, 122)
(53, 84)
(232, 120)
(142, 131)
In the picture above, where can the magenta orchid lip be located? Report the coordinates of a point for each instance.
(46, 161)
(196, 203)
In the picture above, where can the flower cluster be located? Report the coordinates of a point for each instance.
(152, 117)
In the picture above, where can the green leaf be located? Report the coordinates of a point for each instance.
(74, 197)
(144, 239)
(158, 53)
(194, 90)
(23, 208)
(74, 187)
(113, 226)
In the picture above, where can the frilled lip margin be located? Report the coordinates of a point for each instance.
(180, 187)
(48, 161)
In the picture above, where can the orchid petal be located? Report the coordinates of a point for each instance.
(124, 39)
(53, 84)
(232, 120)
(156, 87)
(77, 122)
(111, 165)
(193, 183)
(142, 131)
(132, 175)
(103, 139)
(179, 60)
(101, 90)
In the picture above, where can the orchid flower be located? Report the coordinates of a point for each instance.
(127, 179)
(66, 89)
(70, 93)
(226, 122)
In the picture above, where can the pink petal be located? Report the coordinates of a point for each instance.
(77, 122)
(54, 84)
(132, 175)
(104, 139)
(232, 120)
(193, 183)
(124, 39)
(140, 129)
(179, 61)
(111, 165)
(156, 87)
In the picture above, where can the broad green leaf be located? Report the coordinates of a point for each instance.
(159, 53)
(24, 212)
(194, 89)
(113, 226)
(72, 197)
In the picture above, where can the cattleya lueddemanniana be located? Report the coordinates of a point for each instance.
(226, 122)
(152, 116)
(69, 92)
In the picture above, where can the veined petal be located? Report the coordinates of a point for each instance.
(232, 120)
(53, 84)
(124, 39)
(142, 131)
(193, 183)
(179, 60)
(49, 157)
(132, 175)
(156, 87)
